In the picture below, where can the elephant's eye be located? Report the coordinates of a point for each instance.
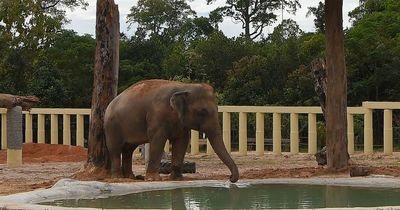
(203, 112)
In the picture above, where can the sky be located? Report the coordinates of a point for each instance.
(83, 21)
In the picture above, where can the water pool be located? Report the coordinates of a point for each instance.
(255, 196)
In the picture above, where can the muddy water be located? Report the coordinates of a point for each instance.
(260, 196)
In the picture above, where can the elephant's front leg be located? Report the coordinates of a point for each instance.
(156, 152)
(179, 146)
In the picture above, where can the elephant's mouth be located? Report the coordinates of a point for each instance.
(199, 128)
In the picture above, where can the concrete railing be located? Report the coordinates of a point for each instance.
(260, 111)
(54, 115)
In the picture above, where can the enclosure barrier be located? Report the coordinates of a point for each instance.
(366, 110)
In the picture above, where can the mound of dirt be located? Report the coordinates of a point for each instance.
(45, 153)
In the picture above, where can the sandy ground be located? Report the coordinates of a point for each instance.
(46, 164)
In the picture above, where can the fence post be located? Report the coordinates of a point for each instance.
(4, 131)
(242, 133)
(54, 129)
(146, 152)
(294, 133)
(210, 150)
(66, 129)
(350, 133)
(260, 134)
(388, 132)
(312, 133)
(226, 130)
(136, 151)
(41, 129)
(14, 136)
(194, 142)
(79, 130)
(276, 134)
(28, 128)
(166, 146)
(368, 132)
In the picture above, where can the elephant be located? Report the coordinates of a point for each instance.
(152, 111)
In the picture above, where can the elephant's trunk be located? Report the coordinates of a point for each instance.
(219, 148)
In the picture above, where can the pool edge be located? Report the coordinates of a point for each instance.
(74, 189)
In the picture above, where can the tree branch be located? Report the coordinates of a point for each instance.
(50, 6)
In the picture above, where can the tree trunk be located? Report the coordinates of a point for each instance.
(336, 103)
(10, 101)
(105, 80)
(318, 68)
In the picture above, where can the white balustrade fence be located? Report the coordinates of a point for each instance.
(366, 110)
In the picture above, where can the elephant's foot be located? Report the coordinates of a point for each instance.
(176, 177)
(140, 177)
(116, 175)
(152, 177)
(129, 175)
(176, 173)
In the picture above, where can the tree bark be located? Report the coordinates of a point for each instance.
(336, 103)
(10, 101)
(318, 68)
(105, 80)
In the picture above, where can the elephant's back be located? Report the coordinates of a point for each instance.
(150, 87)
(138, 98)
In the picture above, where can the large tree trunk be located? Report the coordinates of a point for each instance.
(10, 101)
(105, 81)
(336, 103)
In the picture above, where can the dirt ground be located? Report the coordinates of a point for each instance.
(45, 164)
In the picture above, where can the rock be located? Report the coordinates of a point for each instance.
(188, 167)
(359, 171)
(321, 156)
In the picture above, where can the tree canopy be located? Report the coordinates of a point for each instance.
(38, 57)
(254, 15)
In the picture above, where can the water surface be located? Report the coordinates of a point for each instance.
(260, 196)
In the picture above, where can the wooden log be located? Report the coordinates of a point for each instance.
(10, 101)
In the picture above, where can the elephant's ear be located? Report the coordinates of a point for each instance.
(178, 102)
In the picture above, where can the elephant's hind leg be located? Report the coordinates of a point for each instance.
(116, 171)
(114, 147)
(127, 152)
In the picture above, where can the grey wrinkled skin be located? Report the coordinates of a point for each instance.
(153, 111)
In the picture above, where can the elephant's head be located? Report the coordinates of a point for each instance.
(197, 109)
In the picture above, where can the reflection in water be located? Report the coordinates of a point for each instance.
(260, 196)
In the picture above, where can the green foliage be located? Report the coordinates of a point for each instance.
(140, 59)
(181, 62)
(373, 56)
(73, 57)
(195, 29)
(319, 13)
(214, 58)
(160, 17)
(47, 84)
(27, 29)
(254, 15)
(252, 82)
(38, 57)
(299, 88)
(131, 73)
(368, 7)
